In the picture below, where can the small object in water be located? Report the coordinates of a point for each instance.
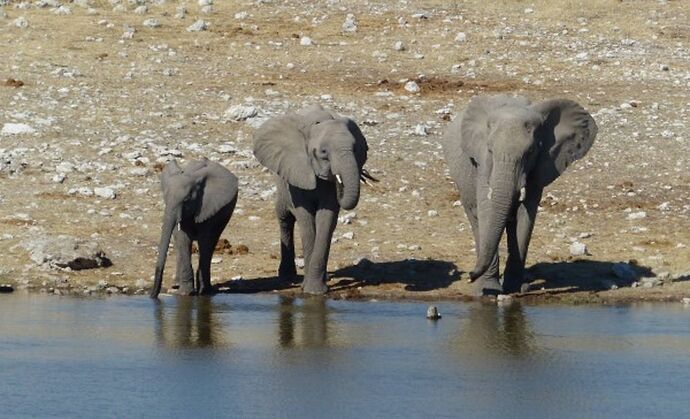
(6, 288)
(432, 313)
(686, 301)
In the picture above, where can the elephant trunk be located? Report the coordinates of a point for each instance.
(493, 214)
(169, 224)
(347, 171)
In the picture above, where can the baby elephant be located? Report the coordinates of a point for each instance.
(319, 159)
(502, 152)
(199, 201)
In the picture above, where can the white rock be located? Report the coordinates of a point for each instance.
(578, 249)
(399, 46)
(141, 10)
(83, 191)
(107, 193)
(241, 15)
(299, 262)
(152, 23)
(21, 22)
(349, 235)
(198, 26)
(180, 12)
(203, 3)
(432, 213)
(460, 37)
(685, 301)
(227, 149)
(62, 11)
(64, 167)
(412, 86)
(240, 112)
(421, 130)
(637, 215)
(306, 41)
(16, 129)
(350, 24)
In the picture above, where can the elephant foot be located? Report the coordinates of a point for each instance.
(206, 291)
(289, 278)
(314, 287)
(512, 285)
(487, 287)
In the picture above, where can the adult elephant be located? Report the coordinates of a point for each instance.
(501, 152)
(199, 201)
(318, 158)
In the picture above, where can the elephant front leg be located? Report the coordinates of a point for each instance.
(519, 232)
(184, 274)
(488, 283)
(315, 276)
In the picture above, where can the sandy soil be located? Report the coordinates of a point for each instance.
(115, 107)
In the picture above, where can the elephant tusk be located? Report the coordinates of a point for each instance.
(488, 196)
(523, 194)
(340, 181)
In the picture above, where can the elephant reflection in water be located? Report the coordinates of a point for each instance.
(190, 323)
(313, 322)
(499, 331)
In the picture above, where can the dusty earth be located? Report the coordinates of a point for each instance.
(112, 95)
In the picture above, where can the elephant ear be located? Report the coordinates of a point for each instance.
(476, 120)
(218, 187)
(280, 145)
(566, 135)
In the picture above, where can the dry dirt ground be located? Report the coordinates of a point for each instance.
(114, 99)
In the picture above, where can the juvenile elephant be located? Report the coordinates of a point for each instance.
(319, 158)
(501, 152)
(199, 201)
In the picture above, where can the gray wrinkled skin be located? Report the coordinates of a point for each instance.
(318, 158)
(501, 152)
(199, 201)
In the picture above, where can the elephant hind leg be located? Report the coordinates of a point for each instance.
(287, 271)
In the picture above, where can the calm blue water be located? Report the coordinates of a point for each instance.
(272, 357)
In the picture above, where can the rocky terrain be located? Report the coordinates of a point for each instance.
(97, 95)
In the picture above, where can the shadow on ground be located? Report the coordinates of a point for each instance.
(253, 286)
(415, 275)
(586, 275)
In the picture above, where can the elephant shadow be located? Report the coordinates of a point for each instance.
(414, 274)
(584, 275)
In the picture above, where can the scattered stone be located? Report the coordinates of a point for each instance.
(152, 23)
(399, 46)
(62, 11)
(578, 249)
(141, 10)
(637, 215)
(412, 86)
(198, 26)
(16, 129)
(107, 193)
(432, 313)
(240, 113)
(608, 284)
(21, 22)
(420, 130)
(66, 252)
(349, 235)
(241, 15)
(306, 41)
(180, 12)
(432, 213)
(461, 37)
(350, 24)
